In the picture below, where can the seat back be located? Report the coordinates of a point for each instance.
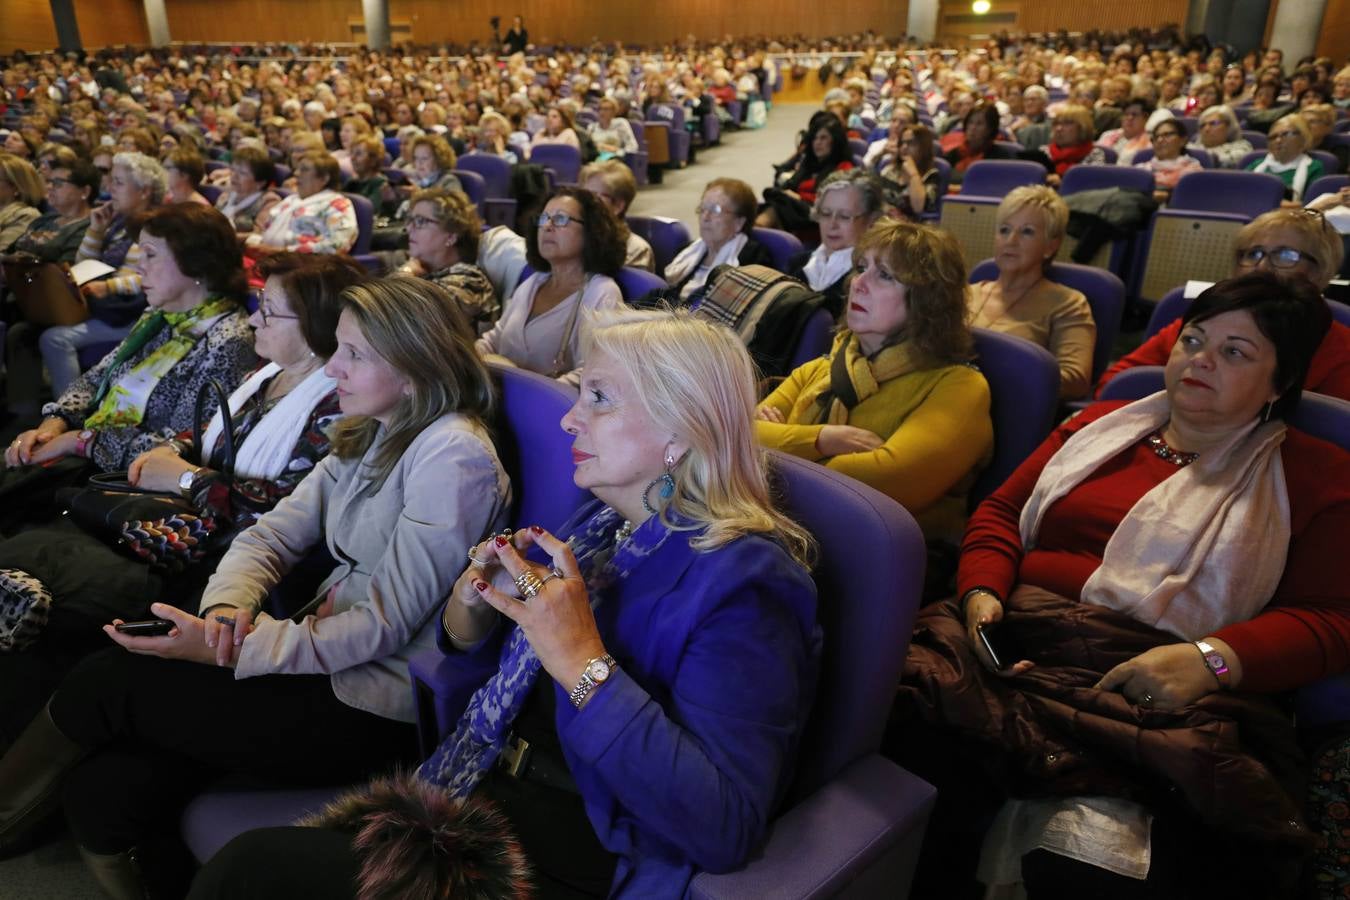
(495, 171)
(1183, 245)
(996, 177)
(781, 245)
(814, 341)
(210, 192)
(365, 223)
(1024, 398)
(1197, 153)
(869, 579)
(1105, 294)
(667, 237)
(658, 144)
(972, 221)
(1170, 308)
(1226, 191)
(635, 283)
(1091, 178)
(1257, 139)
(564, 160)
(1327, 184)
(475, 187)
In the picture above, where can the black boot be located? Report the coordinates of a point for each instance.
(118, 874)
(30, 779)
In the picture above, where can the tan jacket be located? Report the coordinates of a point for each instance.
(399, 553)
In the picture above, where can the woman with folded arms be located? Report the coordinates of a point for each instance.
(652, 760)
(249, 194)
(411, 484)
(1288, 159)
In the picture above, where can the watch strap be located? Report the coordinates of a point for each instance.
(587, 683)
(1214, 661)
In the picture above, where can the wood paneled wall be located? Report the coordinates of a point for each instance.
(27, 24)
(956, 21)
(1334, 41)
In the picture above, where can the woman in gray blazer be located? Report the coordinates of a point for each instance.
(411, 484)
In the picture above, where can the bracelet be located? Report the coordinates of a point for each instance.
(979, 590)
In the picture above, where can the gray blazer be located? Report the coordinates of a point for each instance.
(399, 554)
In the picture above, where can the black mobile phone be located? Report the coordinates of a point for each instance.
(146, 628)
(1000, 647)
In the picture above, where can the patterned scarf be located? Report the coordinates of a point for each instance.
(122, 404)
(466, 754)
(854, 377)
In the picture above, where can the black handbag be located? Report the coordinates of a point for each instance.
(162, 529)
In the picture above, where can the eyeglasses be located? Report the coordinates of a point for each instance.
(423, 222)
(58, 182)
(1281, 135)
(269, 316)
(711, 209)
(558, 220)
(843, 218)
(1166, 134)
(1279, 257)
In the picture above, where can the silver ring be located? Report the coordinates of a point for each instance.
(1146, 700)
(528, 584)
(475, 560)
(552, 574)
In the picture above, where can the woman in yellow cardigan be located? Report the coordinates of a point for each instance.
(896, 403)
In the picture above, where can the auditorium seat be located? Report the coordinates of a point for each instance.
(634, 283)
(565, 161)
(970, 215)
(667, 237)
(1024, 398)
(781, 245)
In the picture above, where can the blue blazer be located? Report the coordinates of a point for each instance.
(684, 753)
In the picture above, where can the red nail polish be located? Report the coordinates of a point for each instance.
(481, 585)
(500, 540)
(536, 529)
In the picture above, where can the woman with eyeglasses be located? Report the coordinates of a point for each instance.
(846, 206)
(1132, 135)
(1071, 133)
(575, 250)
(1220, 135)
(911, 166)
(1292, 243)
(1170, 161)
(1288, 160)
(443, 232)
(726, 215)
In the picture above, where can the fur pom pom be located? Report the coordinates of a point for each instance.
(415, 843)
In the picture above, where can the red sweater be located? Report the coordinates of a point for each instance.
(1302, 635)
(1329, 372)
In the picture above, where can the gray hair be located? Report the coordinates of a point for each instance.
(1229, 117)
(1035, 90)
(146, 174)
(868, 186)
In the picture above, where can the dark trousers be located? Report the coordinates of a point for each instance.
(23, 379)
(161, 729)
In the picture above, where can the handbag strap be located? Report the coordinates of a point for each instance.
(560, 362)
(226, 431)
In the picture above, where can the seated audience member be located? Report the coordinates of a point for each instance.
(1220, 136)
(559, 128)
(1321, 119)
(1291, 244)
(367, 156)
(184, 170)
(918, 428)
(1070, 144)
(1170, 160)
(1032, 127)
(912, 168)
(612, 181)
(846, 206)
(21, 193)
(249, 193)
(443, 233)
(612, 134)
(978, 141)
(1132, 135)
(411, 483)
(144, 392)
(726, 214)
(575, 251)
(1118, 669)
(687, 565)
(1235, 88)
(788, 205)
(280, 415)
(1288, 159)
(1022, 301)
(315, 219)
(494, 132)
(55, 236)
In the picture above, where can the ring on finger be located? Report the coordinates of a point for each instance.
(475, 560)
(552, 574)
(1146, 700)
(528, 584)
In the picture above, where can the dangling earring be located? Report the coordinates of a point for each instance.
(667, 482)
(1266, 411)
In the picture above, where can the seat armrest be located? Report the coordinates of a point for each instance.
(860, 832)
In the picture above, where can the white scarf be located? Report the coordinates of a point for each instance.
(825, 268)
(1300, 163)
(1203, 549)
(686, 263)
(267, 450)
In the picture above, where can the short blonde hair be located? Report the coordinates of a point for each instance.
(696, 381)
(1080, 116)
(1054, 211)
(616, 175)
(20, 173)
(1324, 111)
(1323, 241)
(1296, 122)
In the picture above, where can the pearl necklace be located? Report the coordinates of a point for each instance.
(1175, 457)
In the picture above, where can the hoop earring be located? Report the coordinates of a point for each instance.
(667, 482)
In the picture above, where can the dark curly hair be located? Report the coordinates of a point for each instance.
(602, 252)
(313, 284)
(928, 262)
(203, 244)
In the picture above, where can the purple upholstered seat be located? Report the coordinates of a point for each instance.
(814, 341)
(1091, 178)
(667, 237)
(1227, 191)
(1205, 158)
(496, 172)
(564, 160)
(365, 223)
(996, 177)
(634, 283)
(781, 245)
(1024, 397)
(475, 188)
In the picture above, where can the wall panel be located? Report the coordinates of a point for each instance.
(955, 20)
(1334, 41)
(27, 24)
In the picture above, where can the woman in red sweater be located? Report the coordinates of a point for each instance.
(1148, 578)
(788, 206)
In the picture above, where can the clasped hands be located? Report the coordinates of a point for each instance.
(216, 639)
(1166, 677)
(48, 442)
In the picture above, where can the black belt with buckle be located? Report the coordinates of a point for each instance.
(520, 760)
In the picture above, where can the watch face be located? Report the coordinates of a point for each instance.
(599, 669)
(185, 480)
(1216, 662)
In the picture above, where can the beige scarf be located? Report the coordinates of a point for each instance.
(1203, 549)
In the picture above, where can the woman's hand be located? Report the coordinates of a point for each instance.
(226, 628)
(910, 167)
(836, 439)
(20, 451)
(557, 621)
(983, 609)
(94, 290)
(770, 414)
(100, 218)
(1166, 677)
(64, 444)
(158, 470)
(188, 639)
(1053, 180)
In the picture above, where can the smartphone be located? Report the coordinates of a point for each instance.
(1002, 650)
(146, 628)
